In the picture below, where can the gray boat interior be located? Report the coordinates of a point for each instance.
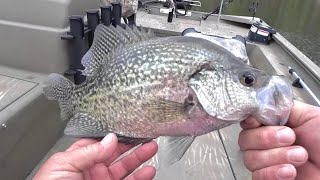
(31, 48)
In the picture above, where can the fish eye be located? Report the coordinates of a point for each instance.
(248, 79)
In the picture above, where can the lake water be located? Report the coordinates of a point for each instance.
(297, 20)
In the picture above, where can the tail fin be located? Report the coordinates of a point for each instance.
(60, 88)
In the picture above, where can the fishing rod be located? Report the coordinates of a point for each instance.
(253, 9)
(217, 9)
(301, 84)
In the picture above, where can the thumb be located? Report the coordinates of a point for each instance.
(301, 113)
(86, 157)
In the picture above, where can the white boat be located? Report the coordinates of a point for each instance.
(31, 47)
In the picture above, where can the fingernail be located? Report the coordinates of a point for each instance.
(285, 135)
(285, 172)
(297, 155)
(107, 140)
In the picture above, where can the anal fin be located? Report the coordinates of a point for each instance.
(134, 141)
(85, 125)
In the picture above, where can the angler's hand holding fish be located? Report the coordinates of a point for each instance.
(290, 152)
(90, 159)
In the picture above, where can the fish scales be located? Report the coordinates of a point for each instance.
(119, 89)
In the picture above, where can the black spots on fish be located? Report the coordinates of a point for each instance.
(113, 97)
(152, 60)
(131, 80)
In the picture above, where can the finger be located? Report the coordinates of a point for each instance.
(250, 123)
(277, 172)
(86, 157)
(122, 148)
(266, 137)
(258, 159)
(308, 171)
(145, 173)
(81, 143)
(301, 113)
(129, 163)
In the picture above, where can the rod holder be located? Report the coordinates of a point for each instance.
(93, 22)
(106, 15)
(296, 83)
(170, 15)
(116, 13)
(78, 47)
(132, 20)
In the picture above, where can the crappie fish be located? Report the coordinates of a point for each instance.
(141, 87)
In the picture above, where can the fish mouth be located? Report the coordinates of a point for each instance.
(275, 102)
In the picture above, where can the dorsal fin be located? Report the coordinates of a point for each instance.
(133, 36)
(142, 36)
(124, 34)
(106, 40)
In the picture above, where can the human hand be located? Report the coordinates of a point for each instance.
(90, 159)
(280, 152)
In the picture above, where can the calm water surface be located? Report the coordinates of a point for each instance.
(297, 20)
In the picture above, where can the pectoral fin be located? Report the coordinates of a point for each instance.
(166, 110)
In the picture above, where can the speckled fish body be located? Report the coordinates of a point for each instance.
(145, 91)
(140, 87)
